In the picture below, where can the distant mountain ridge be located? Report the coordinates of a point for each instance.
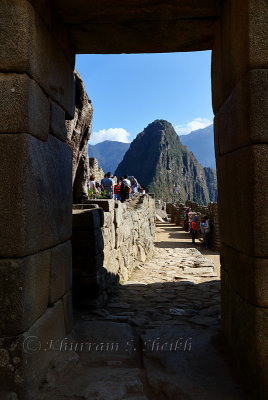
(109, 154)
(201, 143)
(159, 161)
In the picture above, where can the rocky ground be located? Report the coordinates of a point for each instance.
(158, 338)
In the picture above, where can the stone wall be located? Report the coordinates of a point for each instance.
(239, 97)
(177, 211)
(108, 243)
(36, 97)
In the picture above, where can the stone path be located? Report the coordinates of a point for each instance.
(158, 338)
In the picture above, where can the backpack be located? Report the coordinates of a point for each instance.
(124, 188)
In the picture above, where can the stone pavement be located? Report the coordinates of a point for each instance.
(158, 338)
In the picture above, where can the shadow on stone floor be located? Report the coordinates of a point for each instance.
(155, 341)
(157, 338)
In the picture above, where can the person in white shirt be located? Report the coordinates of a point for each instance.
(92, 183)
(134, 185)
(143, 190)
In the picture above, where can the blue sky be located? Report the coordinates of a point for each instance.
(128, 91)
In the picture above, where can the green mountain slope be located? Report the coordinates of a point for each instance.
(167, 168)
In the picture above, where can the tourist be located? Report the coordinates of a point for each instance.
(134, 185)
(117, 189)
(202, 229)
(142, 190)
(193, 229)
(92, 183)
(125, 189)
(107, 185)
(98, 188)
(186, 220)
(206, 231)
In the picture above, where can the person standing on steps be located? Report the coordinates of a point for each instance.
(193, 229)
(125, 189)
(134, 185)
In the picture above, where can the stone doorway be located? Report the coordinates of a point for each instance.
(38, 44)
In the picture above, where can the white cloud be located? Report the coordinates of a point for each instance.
(115, 134)
(197, 123)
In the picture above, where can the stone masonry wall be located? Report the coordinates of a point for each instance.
(211, 210)
(108, 242)
(36, 97)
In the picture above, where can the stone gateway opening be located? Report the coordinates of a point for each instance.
(38, 43)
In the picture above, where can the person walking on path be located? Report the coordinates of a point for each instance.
(193, 229)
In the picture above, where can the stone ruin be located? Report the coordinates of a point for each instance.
(107, 244)
(38, 43)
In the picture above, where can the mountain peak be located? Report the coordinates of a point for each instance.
(159, 161)
(160, 123)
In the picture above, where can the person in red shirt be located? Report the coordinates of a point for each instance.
(194, 229)
(117, 189)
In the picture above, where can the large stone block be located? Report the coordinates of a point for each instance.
(102, 12)
(25, 358)
(240, 44)
(245, 327)
(119, 213)
(87, 243)
(108, 218)
(36, 210)
(83, 265)
(242, 119)
(107, 205)
(23, 106)
(84, 220)
(109, 237)
(61, 271)
(26, 45)
(24, 289)
(57, 121)
(242, 199)
(248, 275)
(119, 236)
(110, 262)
